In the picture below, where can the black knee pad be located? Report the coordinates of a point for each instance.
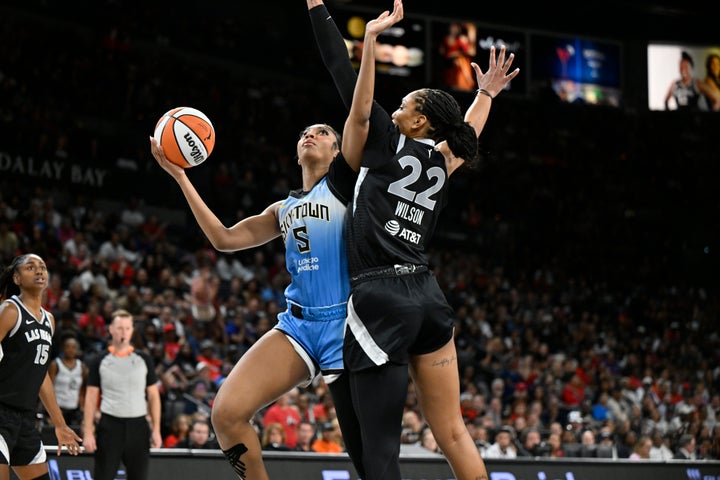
(233, 455)
(45, 476)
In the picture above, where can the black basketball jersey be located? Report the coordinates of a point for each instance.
(401, 189)
(687, 97)
(24, 358)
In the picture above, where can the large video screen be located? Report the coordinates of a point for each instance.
(683, 77)
(457, 43)
(579, 70)
(400, 49)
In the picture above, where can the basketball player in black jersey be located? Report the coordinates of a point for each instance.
(397, 314)
(26, 331)
(686, 90)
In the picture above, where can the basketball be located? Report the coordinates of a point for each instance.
(186, 136)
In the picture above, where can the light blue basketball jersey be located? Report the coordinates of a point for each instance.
(312, 229)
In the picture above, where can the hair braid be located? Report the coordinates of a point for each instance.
(447, 123)
(8, 288)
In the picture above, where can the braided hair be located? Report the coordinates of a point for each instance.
(8, 288)
(448, 123)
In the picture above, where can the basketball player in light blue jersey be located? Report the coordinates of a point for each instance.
(322, 262)
(308, 337)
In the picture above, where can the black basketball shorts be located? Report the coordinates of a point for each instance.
(391, 318)
(22, 438)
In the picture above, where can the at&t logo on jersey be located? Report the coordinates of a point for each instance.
(394, 229)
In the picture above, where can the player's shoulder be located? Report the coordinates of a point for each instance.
(9, 312)
(50, 316)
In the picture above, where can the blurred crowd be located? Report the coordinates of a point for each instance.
(578, 259)
(537, 351)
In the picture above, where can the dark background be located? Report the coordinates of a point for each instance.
(617, 193)
(634, 19)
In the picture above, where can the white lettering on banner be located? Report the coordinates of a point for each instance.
(540, 476)
(52, 170)
(335, 475)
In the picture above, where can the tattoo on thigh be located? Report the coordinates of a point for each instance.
(444, 362)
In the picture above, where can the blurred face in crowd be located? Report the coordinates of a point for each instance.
(200, 433)
(532, 440)
(503, 440)
(306, 432)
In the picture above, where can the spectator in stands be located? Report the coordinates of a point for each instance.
(555, 443)
(428, 442)
(686, 448)
(273, 438)
(92, 323)
(531, 444)
(570, 443)
(641, 449)
(588, 443)
(79, 298)
(413, 426)
(306, 436)
(113, 251)
(202, 390)
(283, 411)
(305, 405)
(171, 343)
(130, 300)
(626, 439)
(587, 437)
(53, 293)
(600, 410)
(606, 444)
(9, 241)
(660, 449)
(619, 406)
(504, 445)
(494, 413)
(198, 437)
(327, 443)
(575, 423)
(573, 393)
(480, 437)
(209, 356)
(710, 412)
(131, 216)
(179, 430)
(204, 290)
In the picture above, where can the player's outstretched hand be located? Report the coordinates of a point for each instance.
(496, 76)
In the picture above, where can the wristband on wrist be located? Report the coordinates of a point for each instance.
(485, 92)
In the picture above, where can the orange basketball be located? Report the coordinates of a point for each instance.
(186, 136)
